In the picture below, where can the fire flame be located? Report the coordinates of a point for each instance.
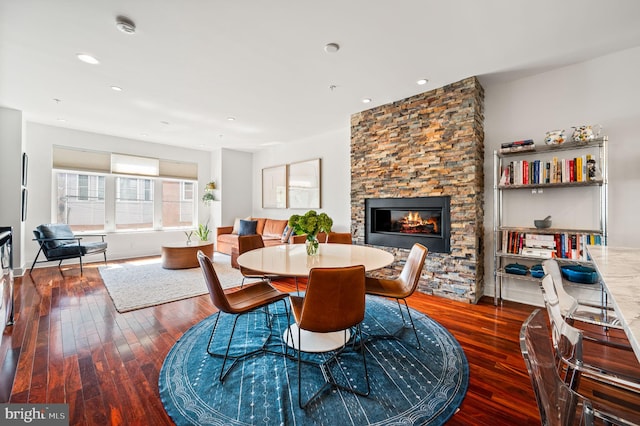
(413, 220)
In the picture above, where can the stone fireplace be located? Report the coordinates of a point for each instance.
(428, 145)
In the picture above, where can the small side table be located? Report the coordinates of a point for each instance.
(182, 255)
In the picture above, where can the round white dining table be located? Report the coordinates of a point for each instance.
(291, 260)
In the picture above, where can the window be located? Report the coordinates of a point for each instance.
(105, 191)
(134, 203)
(80, 201)
(177, 203)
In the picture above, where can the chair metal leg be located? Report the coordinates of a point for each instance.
(224, 372)
(412, 324)
(35, 260)
(330, 381)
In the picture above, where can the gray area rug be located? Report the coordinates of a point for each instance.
(142, 283)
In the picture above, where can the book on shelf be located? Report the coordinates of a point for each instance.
(562, 245)
(513, 144)
(557, 170)
(538, 252)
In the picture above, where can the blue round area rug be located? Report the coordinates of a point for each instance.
(408, 386)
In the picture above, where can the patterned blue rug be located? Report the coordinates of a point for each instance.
(408, 386)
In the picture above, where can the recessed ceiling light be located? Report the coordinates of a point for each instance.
(116, 88)
(366, 100)
(331, 47)
(143, 134)
(231, 119)
(166, 123)
(61, 120)
(88, 59)
(422, 81)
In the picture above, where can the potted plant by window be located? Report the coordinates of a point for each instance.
(208, 196)
(310, 224)
(203, 231)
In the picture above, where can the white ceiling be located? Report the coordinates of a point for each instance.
(193, 63)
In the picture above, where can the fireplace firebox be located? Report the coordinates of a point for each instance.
(401, 222)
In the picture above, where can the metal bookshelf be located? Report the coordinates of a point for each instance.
(500, 257)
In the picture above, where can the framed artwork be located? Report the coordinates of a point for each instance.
(304, 184)
(25, 195)
(274, 187)
(25, 167)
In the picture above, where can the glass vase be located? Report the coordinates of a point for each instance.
(312, 245)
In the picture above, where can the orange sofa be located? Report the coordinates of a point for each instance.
(271, 230)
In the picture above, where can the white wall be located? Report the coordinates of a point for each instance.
(41, 138)
(603, 91)
(11, 148)
(334, 151)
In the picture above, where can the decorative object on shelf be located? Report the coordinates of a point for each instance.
(188, 234)
(554, 137)
(586, 133)
(203, 231)
(310, 224)
(537, 271)
(208, 196)
(542, 223)
(516, 268)
(580, 274)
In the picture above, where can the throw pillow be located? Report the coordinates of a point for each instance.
(286, 234)
(236, 224)
(247, 227)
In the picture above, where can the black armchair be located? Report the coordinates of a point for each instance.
(58, 242)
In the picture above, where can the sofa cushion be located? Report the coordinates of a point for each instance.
(236, 224)
(273, 228)
(261, 222)
(247, 227)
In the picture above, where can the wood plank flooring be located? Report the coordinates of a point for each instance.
(69, 345)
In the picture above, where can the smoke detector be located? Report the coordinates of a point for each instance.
(125, 25)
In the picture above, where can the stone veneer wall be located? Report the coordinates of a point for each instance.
(427, 145)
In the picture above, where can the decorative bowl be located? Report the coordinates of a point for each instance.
(516, 268)
(537, 271)
(580, 274)
(543, 223)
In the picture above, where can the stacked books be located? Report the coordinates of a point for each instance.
(563, 245)
(517, 146)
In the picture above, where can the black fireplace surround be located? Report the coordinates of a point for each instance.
(402, 222)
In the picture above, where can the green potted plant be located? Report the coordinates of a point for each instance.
(203, 231)
(208, 197)
(310, 224)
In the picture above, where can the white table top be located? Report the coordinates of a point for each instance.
(292, 260)
(619, 268)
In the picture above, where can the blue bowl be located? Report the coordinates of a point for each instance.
(580, 274)
(516, 268)
(537, 271)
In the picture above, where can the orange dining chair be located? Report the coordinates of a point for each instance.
(401, 287)
(333, 302)
(340, 238)
(247, 299)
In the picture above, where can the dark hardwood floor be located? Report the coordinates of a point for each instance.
(69, 345)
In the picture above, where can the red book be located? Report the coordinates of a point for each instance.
(558, 245)
(525, 172)
(572, 174)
